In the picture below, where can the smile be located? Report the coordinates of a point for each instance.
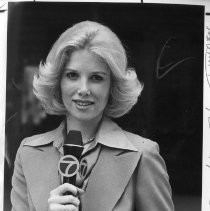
(83, 103)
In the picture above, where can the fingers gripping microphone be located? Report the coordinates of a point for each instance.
(68, 165)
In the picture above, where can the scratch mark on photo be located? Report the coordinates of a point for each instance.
(171, 65)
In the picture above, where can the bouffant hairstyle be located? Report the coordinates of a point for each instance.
(101, 41)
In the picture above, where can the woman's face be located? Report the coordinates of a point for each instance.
(85, 86)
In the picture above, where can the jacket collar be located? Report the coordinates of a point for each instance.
(55, 136)
(107, 130)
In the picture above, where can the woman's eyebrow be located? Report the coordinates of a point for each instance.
(100, 72)
(69, 69)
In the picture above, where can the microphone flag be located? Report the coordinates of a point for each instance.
(68, 165)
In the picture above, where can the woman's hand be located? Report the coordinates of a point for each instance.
(59, 202)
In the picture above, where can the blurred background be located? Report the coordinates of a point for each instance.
(164, 44)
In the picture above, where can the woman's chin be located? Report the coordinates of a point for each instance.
(86, 117)
(83, 116)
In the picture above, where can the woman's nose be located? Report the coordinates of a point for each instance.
(83, 89)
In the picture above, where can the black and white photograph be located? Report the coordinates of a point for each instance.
(104, 107)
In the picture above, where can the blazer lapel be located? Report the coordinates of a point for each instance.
(43, 176)
(109, 178)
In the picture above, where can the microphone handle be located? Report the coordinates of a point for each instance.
(70, 180)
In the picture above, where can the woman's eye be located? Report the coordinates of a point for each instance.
(72, 75)
(97, 78)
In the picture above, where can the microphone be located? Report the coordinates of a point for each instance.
(68, 165)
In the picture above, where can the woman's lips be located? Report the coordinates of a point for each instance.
(83, 103)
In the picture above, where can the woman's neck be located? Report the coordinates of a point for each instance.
(87, 128)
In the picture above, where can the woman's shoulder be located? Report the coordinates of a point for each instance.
(142, 143)
(35, 139)
(139, 142)
(44, 138)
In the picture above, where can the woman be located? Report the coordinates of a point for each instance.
(86, 79)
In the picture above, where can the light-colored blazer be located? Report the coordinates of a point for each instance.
(129, 175)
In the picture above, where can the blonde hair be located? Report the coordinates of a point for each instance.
(100, 40)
